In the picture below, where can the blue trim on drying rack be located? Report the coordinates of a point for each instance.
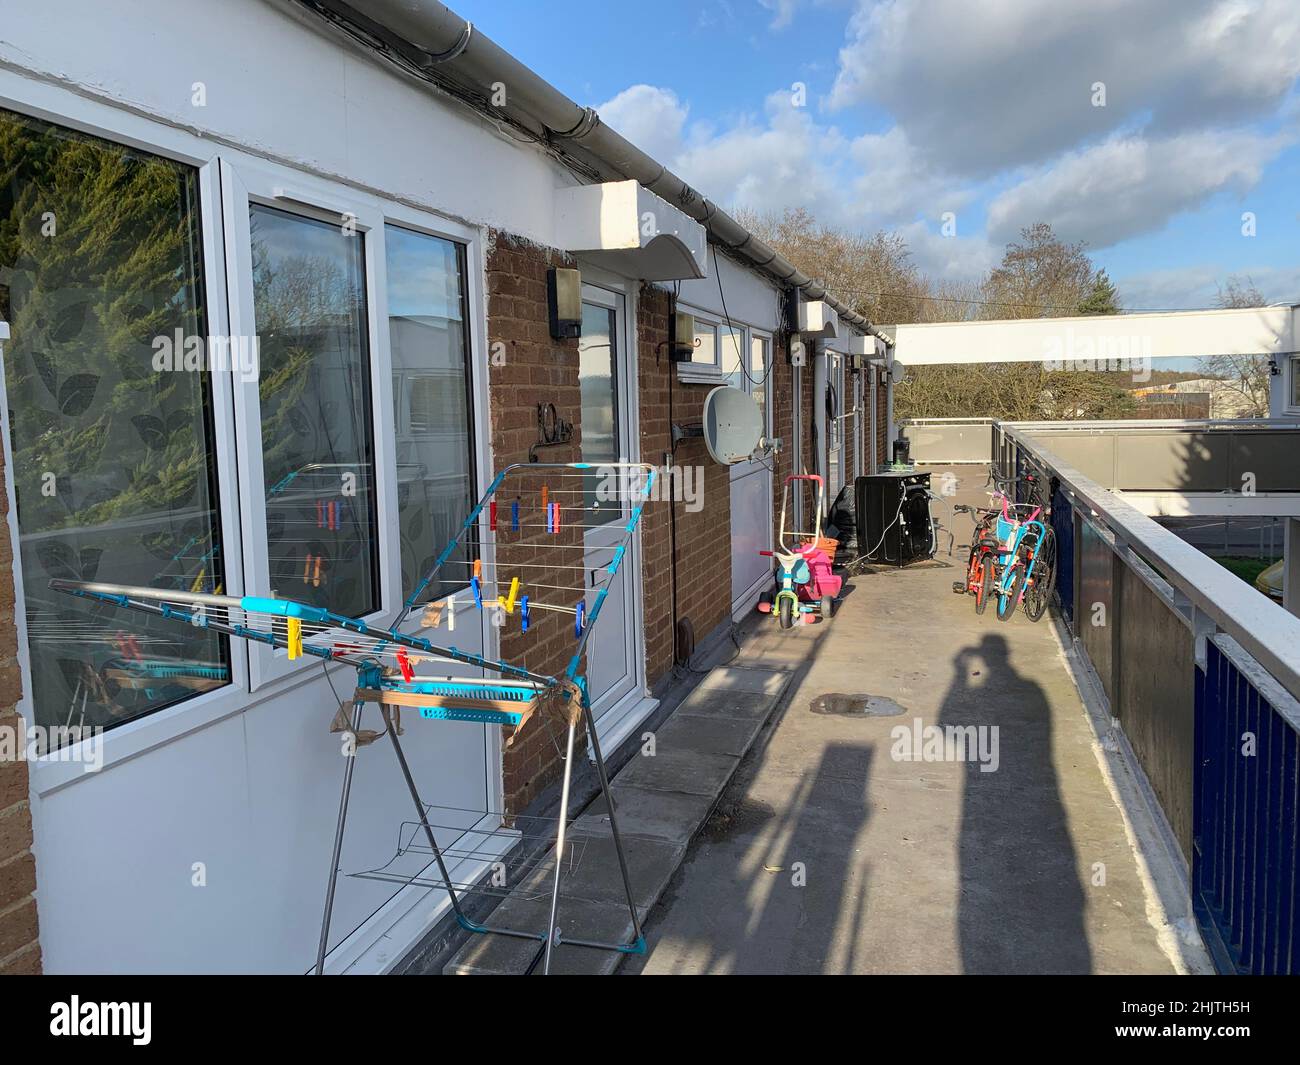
(482, 717)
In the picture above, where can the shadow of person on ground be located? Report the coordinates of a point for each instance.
(1021, 899)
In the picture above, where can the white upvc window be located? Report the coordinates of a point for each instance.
(1293, 393)
(705, 366)
(328, 473)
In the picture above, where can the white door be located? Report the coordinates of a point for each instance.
(747, 361)
(603, 376)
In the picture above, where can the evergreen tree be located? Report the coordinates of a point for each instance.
(1102, 298)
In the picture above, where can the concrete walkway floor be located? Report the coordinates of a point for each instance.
(832, 853)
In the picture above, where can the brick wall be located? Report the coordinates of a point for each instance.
(703, 559)
(781, 397)
(527, 367)
(19, 950)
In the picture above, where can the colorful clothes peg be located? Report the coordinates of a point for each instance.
(514, 516)
(404, 664)
(293, 637)
(523, 613)
(577, 618)
(492, 515)
(477, 589)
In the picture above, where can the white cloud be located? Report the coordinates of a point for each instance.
(1198, 285)
(786, 158)
(1131, 185)
(980, 88)
(956, 258)
(782, 12)
(650, 117)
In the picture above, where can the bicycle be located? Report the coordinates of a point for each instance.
(1012, 556)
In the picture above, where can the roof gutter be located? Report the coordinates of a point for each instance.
(444, 46)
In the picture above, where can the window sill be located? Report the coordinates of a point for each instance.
(697, 373)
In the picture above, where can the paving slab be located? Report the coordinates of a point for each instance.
(674, 816)
(711, 734)
(717, 702)
(679, 768)
(661, 802)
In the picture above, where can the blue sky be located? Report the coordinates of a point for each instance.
(988, 109)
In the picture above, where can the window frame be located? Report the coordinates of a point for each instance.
(705, 373)
(244, 185)
(479, 459)
(1291, 397)
(65, 766)
(766, 339)
(54, 104)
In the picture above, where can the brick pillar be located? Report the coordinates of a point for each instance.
(703, 559)
(527, 366)
(20, 952)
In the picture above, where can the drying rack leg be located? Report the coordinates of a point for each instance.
(638, 943)
(349, 765)
(559, 843)
(424, 820)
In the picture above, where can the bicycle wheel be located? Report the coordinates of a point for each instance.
(1007, 603)
(1038, 596)
(984, 582)
(785, 613)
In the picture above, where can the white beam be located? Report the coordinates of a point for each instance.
(1073, 341)
(1213, 504)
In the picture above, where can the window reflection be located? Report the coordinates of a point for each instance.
(100, 272)
(427, 336)
(317, 443)
(597, 378)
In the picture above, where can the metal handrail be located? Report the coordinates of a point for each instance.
(1267, 631)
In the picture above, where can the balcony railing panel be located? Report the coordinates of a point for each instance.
(1246, 853)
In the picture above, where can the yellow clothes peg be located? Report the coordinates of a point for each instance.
(509, 604)
(295, 638)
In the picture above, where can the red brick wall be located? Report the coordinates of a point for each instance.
(703, 560)
(526, 366)
(653, 366)
(19, 950)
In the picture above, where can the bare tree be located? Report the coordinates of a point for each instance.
(872, 273)
(1247, 376)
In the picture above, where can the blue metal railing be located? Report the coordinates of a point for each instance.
(1245, 849)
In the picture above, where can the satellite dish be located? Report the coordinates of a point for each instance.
(896, 372)
(732, 425)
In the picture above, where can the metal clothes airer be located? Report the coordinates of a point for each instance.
(386, 659)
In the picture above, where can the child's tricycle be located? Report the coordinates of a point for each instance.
(804, 573)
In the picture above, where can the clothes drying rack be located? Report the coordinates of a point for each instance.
(541, 512)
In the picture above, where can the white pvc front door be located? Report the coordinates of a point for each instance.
(751, 481)
(603, 378)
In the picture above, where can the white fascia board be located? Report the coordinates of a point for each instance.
(1181, 334)
(628, 228)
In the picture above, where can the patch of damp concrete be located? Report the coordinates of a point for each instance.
(859, 705)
